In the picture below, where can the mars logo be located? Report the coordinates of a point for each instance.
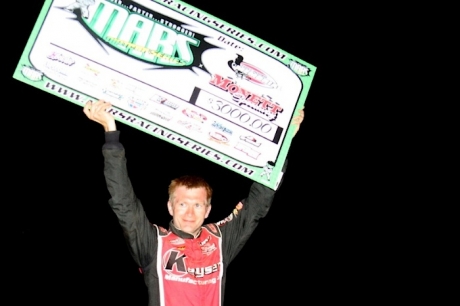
(251, 73)
(174, 262)
(144, 38)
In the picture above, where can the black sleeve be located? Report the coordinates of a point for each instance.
(241, 223)
(140, 235)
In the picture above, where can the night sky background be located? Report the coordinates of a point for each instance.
(67, 245)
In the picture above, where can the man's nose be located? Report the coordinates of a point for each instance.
(189, 210)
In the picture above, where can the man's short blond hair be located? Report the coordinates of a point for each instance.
(190, 182)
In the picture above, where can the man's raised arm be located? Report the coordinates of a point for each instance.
(139, 233)
(240, 224)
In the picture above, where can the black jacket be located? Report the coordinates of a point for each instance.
(150, 244)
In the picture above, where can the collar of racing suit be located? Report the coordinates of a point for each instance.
(182, 234)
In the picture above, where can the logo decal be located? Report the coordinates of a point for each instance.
(193, 127)
(298, 68)
(81, 5)
(201, 272)
(212, 228)
(162, 229)
(162, 114)
(249, 151)
(228, 219)
(31, 73)
(232, 215)
(174, 262)
(175, 266)
(61, 58)
(141, 33)
(251, 140)
(218, 137)
(251, 73)
(194, 115)
(237, 209)
(162, 100)
(206, 247)
(92, 70)
(221, 127)
(178, 241)
(246, 98)
(268, 168)
(136, 103)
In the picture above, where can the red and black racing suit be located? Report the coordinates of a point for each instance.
(180, 269)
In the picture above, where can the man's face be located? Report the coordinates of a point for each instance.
(188, 208)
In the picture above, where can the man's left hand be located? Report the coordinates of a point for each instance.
(297, 120)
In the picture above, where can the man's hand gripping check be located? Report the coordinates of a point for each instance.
(97, 111)
(297, 120)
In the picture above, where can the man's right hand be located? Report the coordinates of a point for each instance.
(97, 111)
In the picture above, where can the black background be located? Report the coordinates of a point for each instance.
(67, 245)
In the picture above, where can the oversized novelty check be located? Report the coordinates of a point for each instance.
(174, 72)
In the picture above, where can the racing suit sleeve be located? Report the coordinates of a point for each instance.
(140, 235)
(241, 223)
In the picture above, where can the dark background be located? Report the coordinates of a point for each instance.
(67, 244)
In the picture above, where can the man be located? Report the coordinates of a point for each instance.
(186, 264)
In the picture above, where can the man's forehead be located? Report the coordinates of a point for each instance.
(184, 191)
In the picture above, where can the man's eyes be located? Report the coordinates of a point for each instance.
(197, 205)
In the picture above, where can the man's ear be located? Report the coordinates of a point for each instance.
(208, 210)
(170, 208)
